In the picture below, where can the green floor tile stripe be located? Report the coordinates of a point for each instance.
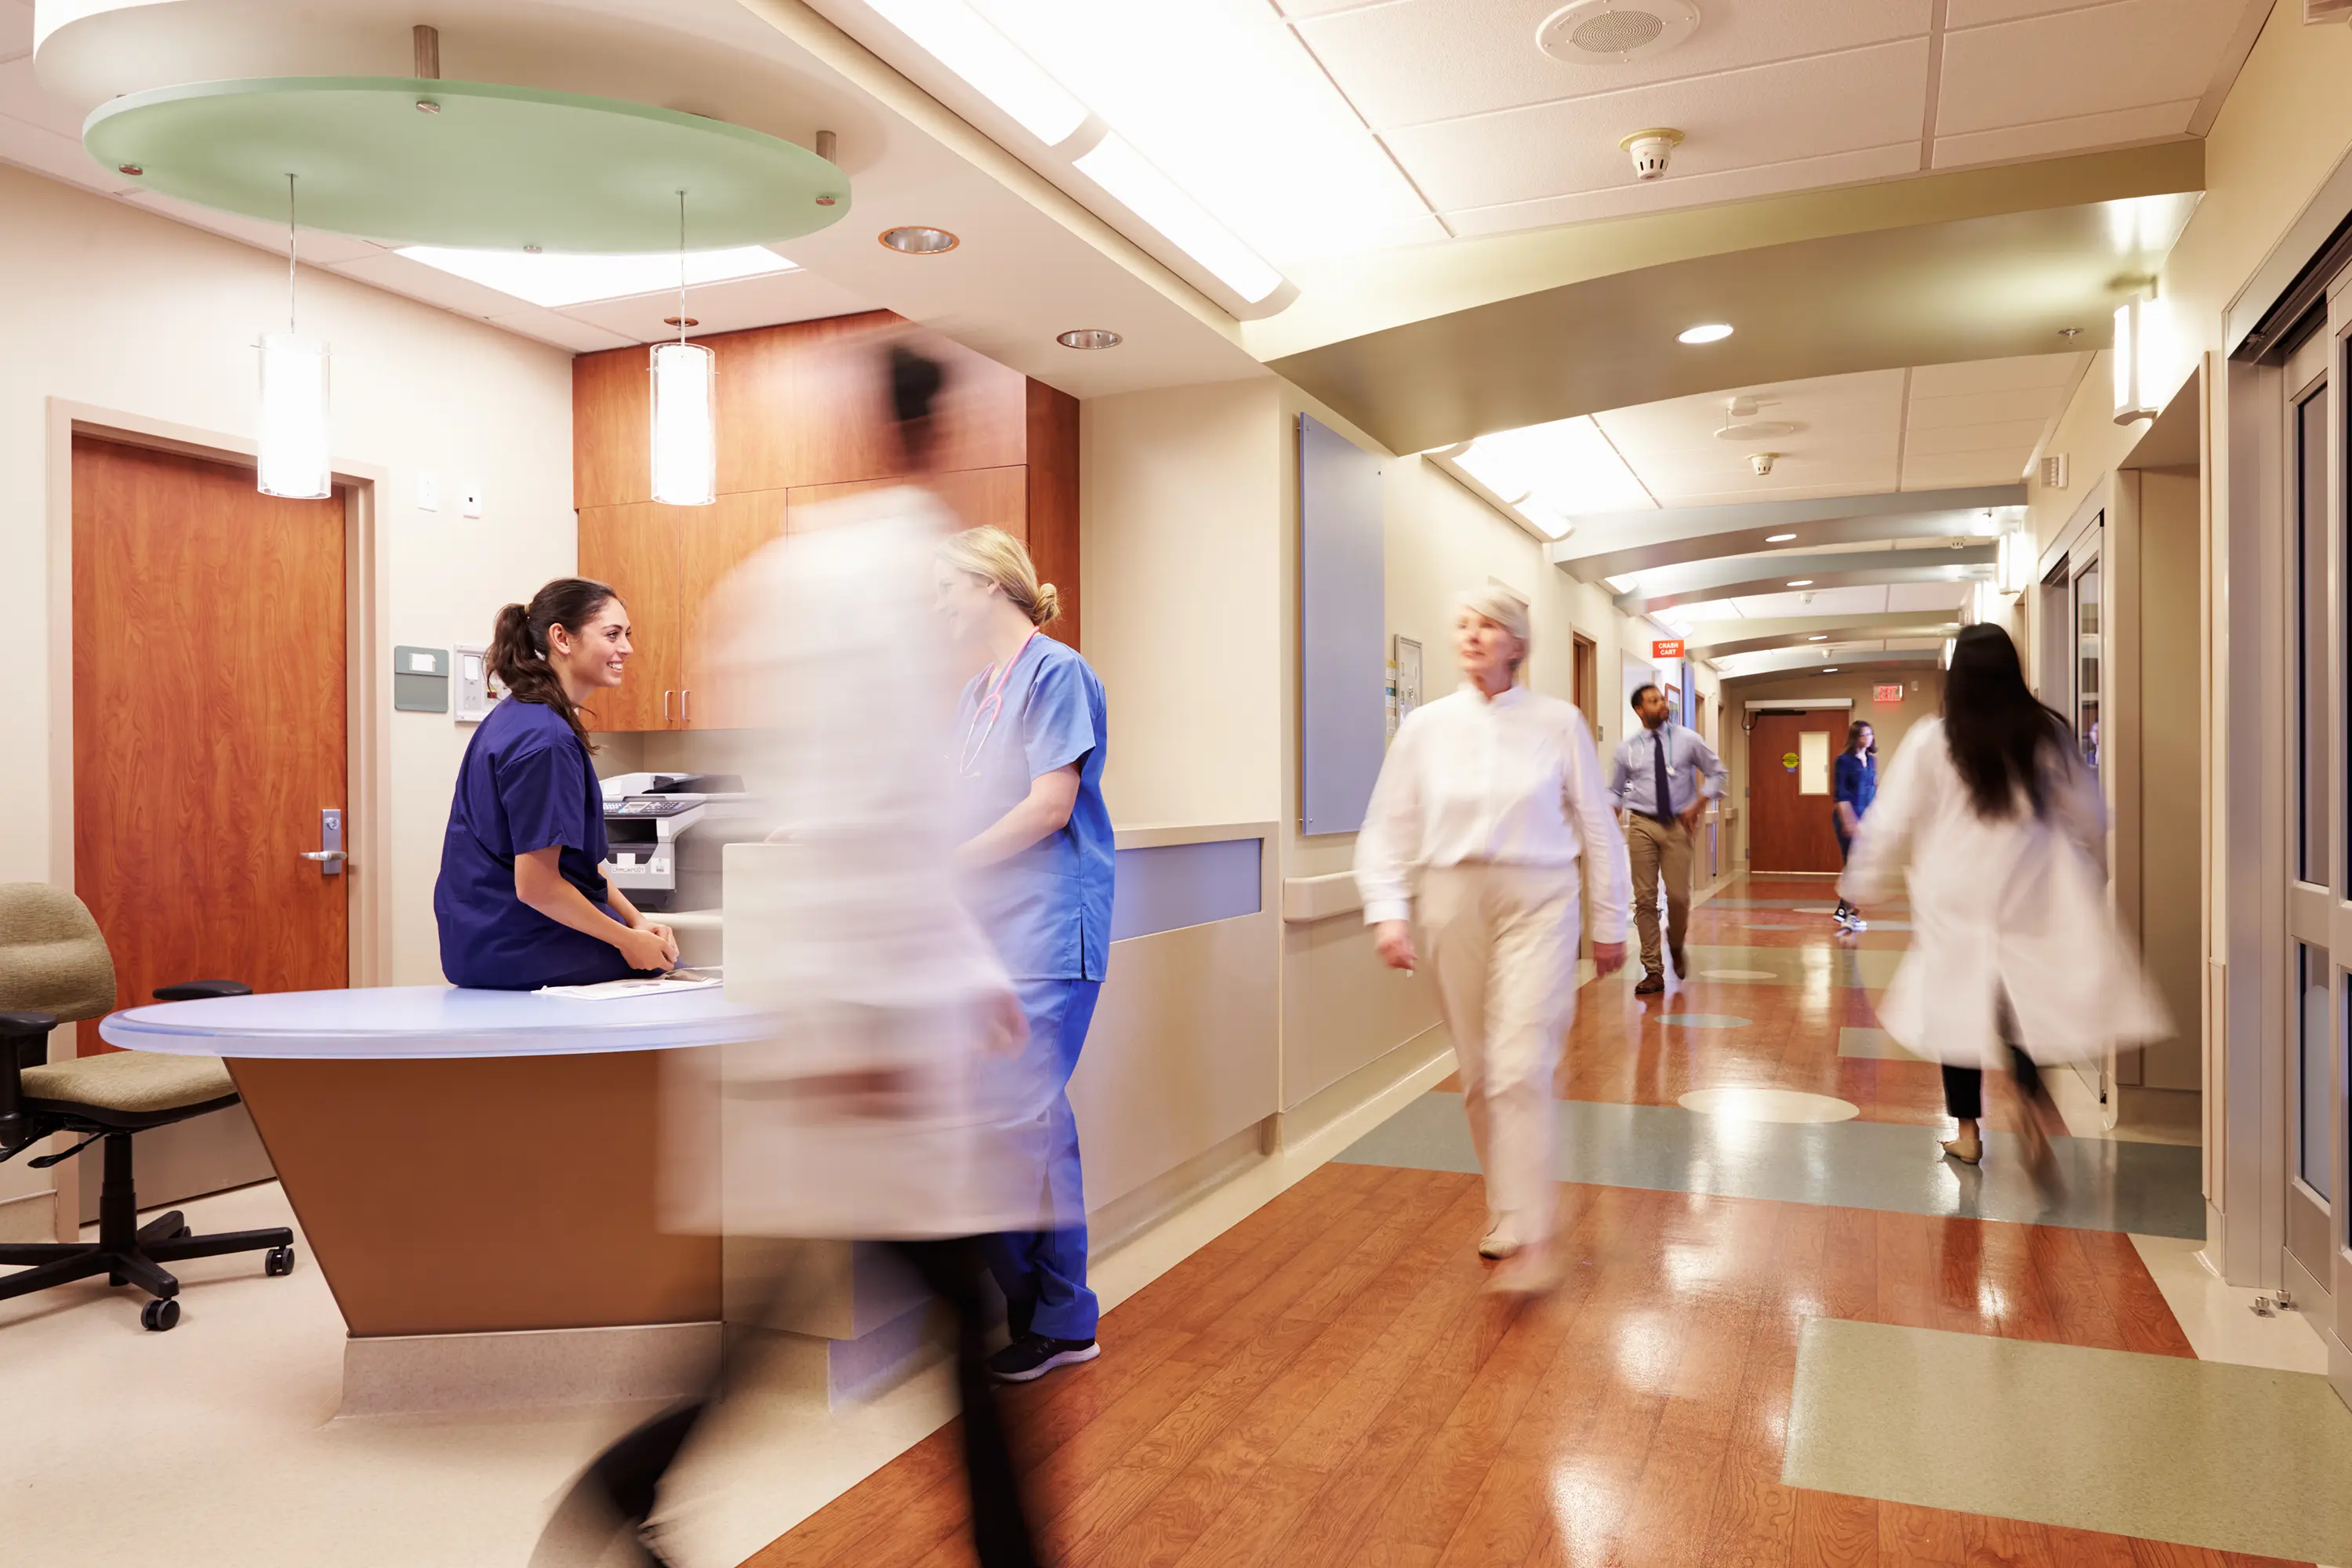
(2234, 1458)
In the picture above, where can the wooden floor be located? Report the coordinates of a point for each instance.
(1325, 1385)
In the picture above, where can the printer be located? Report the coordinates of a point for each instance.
(650, 824)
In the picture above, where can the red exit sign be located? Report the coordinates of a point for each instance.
(1668, 648)
(1890, 693)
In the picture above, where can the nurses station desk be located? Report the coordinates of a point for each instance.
(464, 1162)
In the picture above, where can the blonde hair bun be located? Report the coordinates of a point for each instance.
(995, 556)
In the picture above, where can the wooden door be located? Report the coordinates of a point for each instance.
(1789, 786)
(635, 548)
(209, 673)
(713, 541)
(1584, 676)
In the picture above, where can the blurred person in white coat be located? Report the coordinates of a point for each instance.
(2014, 960)
(1490, 797)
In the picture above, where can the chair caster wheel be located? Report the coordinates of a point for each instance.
(158, 1314)
(278, 1260)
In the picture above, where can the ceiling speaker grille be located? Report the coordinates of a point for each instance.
(1615, 32)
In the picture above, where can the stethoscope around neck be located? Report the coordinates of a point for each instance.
(990, 708)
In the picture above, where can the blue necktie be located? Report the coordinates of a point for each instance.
(1665, 794)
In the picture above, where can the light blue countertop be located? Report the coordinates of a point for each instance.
(391, 1022)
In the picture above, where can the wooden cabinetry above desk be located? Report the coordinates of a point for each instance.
(803, 419)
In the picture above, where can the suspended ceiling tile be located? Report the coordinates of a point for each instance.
(1907, 597)
(1953, 470)
(1978, 13)
(44, 152)
(390, 270)
(22, 97)
(1678, 191)
(2056, 369)
(318, 249)
(2013, 436)
(1422, 60)
(1982, 407)
(554, 327)
(1867, 599)
(15, 28)
(731, 307)
(2076, 133)
(1741, 119)
(2127, 55)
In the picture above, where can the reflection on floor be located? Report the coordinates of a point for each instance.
(1325, 1385)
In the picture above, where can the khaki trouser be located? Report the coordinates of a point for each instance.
(1500, 942)
(1656, 848)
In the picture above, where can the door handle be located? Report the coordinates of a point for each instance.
(685, 705)
(666, 697)
(335, 855)
(330, 853)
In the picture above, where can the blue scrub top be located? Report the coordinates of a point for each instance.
(1048, 908)
(526, 783)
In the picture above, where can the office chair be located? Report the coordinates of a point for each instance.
(53, 959)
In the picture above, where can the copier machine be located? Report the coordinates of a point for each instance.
(667, 844)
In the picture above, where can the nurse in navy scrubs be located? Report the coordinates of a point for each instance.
(1030, 737)
(522, 901)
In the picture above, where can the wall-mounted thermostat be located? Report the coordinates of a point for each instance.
(478, 690)
(420, 680)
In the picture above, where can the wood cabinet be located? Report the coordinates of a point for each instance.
(803, 418)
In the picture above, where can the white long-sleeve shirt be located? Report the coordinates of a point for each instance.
(1512, 782)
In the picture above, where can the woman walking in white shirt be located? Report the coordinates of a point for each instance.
(1491, 795)
(2002, 829)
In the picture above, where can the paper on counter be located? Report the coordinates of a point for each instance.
(652, 986)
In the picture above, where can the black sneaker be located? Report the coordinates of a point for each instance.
(1031, 1356)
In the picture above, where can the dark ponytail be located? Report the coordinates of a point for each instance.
(518, 644)
(1995, 728)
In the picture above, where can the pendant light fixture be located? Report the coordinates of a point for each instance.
(685, 445)
(293, 460)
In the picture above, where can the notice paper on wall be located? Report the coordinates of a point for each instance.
(651, 986)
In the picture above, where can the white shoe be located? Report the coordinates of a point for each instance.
(1855, 922)
(1498, 1244)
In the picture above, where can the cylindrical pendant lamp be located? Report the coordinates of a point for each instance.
(294, 459)
(686, 448)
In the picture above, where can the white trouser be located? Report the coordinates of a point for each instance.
(1500, 942)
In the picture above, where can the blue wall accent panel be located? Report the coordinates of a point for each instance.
(1342, 630)
(1170, 886)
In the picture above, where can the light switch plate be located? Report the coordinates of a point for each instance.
(470, 499)
(428, 491)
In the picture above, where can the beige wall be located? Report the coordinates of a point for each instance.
(1923, 696)
(2169, 770)
(117, 309)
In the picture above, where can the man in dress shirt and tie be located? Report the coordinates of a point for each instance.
(1662, 779)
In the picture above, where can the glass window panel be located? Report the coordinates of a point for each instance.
(2312, 1079)
(2312, 743)
(2086, 663)
(1812, 762)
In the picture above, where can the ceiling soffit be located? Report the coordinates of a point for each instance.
(1726, 639)
(1616, 543)
(1929, 294)
(1740, 576)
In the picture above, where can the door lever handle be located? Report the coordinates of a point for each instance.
(335, 855)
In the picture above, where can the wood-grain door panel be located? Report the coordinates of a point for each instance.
(713, 541)
(1789, 830)
(635, 548)
(209, 676)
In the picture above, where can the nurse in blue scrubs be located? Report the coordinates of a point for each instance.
(1029, 740)
(522, 901)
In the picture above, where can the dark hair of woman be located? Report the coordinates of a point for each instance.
(518, 644)
(1995, 727)
(915, 381)
(1853, 735)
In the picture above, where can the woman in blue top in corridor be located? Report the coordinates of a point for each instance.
(522, 901)
(1029, 738)
(1852, 791)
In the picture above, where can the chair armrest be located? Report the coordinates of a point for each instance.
(201, 990)
(19, 1033)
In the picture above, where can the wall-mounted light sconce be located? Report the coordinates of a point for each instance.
(2132, 393)
(2014, 571)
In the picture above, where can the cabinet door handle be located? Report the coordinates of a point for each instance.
(686, 706)
(665, 695)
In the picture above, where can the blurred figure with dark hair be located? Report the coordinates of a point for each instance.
(885, 1105)
(1855, 786)
(2000, 826)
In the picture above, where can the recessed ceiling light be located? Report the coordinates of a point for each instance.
(681, 320)
(1831, 671)
(915, 239)
(1779, 538)
(1819, 637)
(1801, 581)
(1090, 338)
(555, 281)
(1704, 332)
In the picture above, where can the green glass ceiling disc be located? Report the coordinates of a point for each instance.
(489, 168)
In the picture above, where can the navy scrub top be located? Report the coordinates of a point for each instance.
(1047, 909)
(526, 783)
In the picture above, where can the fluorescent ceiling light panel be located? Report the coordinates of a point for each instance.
(555, 281)
(957, 36)
(1153, 196)
(1567, 467)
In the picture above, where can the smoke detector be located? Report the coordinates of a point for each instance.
(1762, 462)
(1651, 149)
(1615, 32)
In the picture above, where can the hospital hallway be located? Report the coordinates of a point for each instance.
(1790, 1334)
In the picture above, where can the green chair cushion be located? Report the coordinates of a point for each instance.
(138, 1082)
